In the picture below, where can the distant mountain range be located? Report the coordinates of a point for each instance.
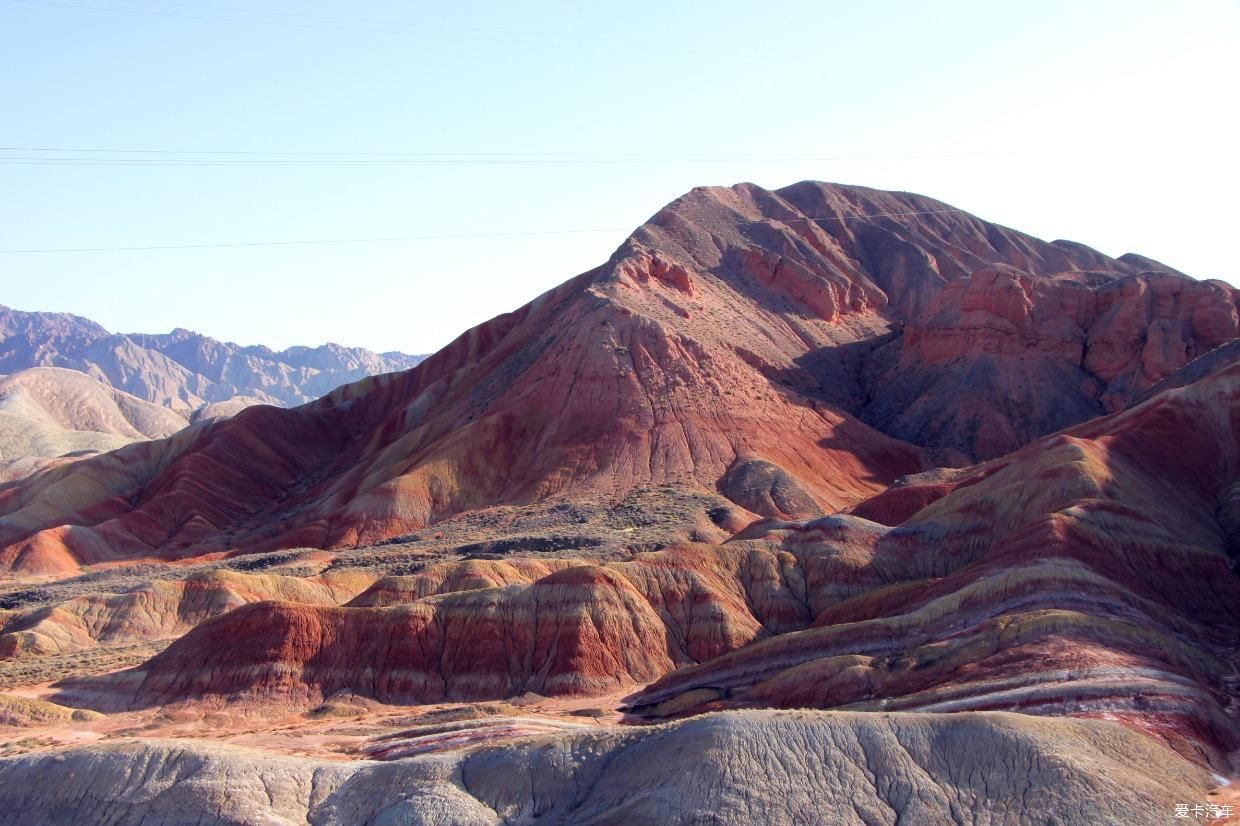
(70, 388)
(184, 370)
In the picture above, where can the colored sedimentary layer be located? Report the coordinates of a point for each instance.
(162, 609)
(765, 346)
(1087, 574)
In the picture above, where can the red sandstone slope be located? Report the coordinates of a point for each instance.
(1063, 349)
(1086, 574)
(727, 345)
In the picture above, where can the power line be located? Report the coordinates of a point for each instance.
(239, 244)
(189, 158)
(412, 163)
(304, 16)
(232, 244)
(587, 155)
(370, 22)
(408, 29)
(277, 23)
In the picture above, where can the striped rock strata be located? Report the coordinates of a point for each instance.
(793, 351)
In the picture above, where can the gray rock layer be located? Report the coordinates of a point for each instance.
(729, 768)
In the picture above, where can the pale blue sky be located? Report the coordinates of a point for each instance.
(1110, 123)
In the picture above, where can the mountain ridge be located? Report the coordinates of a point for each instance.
(184, 370)
(822, 489)
(844, 316)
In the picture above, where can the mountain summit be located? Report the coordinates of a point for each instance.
(779, 353)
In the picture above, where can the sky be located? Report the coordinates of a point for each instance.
(514, 145)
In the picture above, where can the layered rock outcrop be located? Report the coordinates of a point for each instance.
(1064, 349)
(815, 371)
(1087, 574)
(737, 343)
(162, 609)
